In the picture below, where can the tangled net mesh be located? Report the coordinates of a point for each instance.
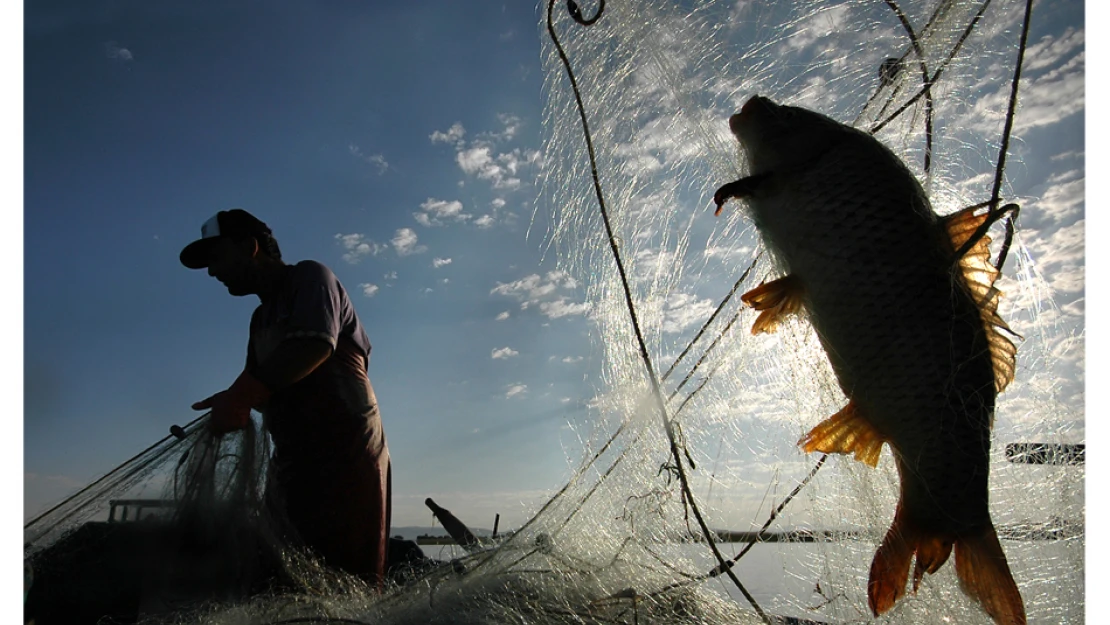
(623, 541)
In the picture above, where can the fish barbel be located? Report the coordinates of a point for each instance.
(911, 330)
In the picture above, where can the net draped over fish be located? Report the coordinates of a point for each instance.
(624, 541)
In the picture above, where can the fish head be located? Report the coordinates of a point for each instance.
(777, 137)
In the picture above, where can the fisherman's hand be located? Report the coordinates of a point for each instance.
(231, 409)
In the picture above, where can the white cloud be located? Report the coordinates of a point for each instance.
(539, 292)
(572, 359)
(435, 212)
(683, 310)
(1066, 155)
(439, 262)
(1049, 51)
(485, 221)
(503, 353)
(390, 276)
(116, 52)
(377, 160)
(404, 242)
(1044, 100)
(369, 290)
(453, 134)
(818, 26)
(510, 125)
(503, 316)
(1060, 256)
(358, 246)
(562, 308)
(1063, 200)
(516, 389)
(501, 170)
(474, 160)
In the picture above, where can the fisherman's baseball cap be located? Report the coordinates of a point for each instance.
(230, 223)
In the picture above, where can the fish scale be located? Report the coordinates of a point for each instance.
(908, 327)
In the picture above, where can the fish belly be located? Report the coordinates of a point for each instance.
(904, 338)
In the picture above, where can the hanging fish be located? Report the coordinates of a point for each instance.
(909, 325)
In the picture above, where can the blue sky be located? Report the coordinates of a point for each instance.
(398, 143)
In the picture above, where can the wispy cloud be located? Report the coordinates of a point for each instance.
(435, 212)
(503, 316)
(405, 242)
(480, 162)
(1063, 200)
(683, 310)
(563, 307)
(542, 293)
(1046, 97)
(377, 160)
(1051, 50)
(358, 247)
(510, 125)
(482, 159)
(503, 353)
(369, 290)
(534, 287)
(440, 262)
(454, 134)
(1060, 255)
(116, 52)
(516, 389)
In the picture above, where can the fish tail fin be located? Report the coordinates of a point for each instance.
(985, 576)
(891, 567)
(980, 566)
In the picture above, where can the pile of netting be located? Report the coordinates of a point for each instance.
(688, 499)
(184, 527)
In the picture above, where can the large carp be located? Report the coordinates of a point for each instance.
(904, 304)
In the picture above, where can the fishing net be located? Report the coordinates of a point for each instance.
(688, 499)
(185, 524)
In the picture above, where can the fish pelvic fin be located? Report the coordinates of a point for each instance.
(979, 276)
(985, 576)
(776, 299)
(890, 568)
(846, 432)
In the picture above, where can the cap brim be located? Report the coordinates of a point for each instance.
(198, 254)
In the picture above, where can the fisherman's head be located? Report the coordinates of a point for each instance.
(237, 249)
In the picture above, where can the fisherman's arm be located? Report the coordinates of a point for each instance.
(292, 360)
(310, 341)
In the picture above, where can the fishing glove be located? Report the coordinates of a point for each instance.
(231, 409)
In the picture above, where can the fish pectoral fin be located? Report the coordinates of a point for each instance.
(846, 432)
(776, 300)
(979, 276)
(737, 189)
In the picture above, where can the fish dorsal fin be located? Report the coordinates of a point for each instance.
(979, 277)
